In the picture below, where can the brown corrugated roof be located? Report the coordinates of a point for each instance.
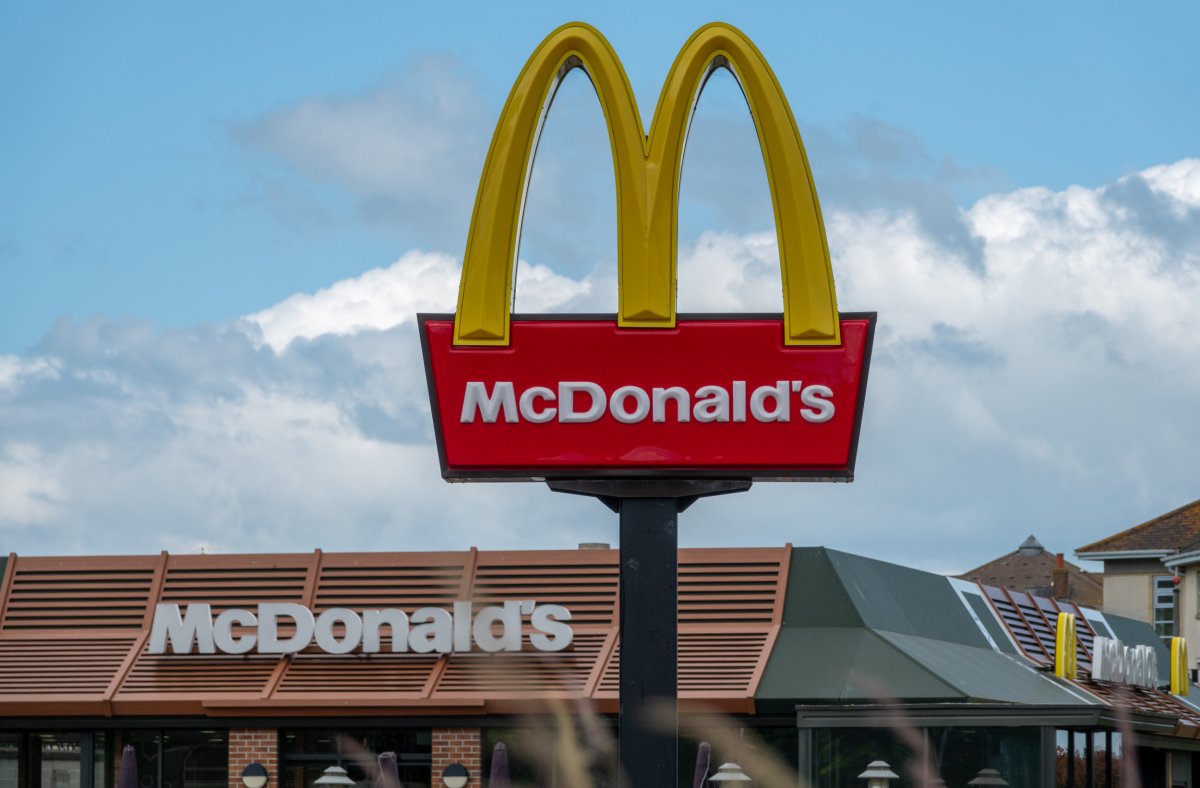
(1145, 700)
(1032, 570)
(74, 631)
(1032, 622)
(1175, 530)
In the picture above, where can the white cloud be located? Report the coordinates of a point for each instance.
(386, 297)
(1180, 180)
(15, 370)
(378, 299)
(1046, 386)
(30, 491)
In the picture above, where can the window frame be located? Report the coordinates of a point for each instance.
(1160, 586)
(288, 759)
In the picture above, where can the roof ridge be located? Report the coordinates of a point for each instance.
(987, 563)
(1088, 547)
(1017, 553)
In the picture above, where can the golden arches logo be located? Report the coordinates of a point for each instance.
(1066, 660)
(647, 171)
(1180, 681)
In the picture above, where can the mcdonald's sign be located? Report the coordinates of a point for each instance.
(1066, 660)
(646, 392)
(1181, 682)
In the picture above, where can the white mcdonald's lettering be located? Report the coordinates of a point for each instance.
(340, 630)
(1113, 661)
(575, 402)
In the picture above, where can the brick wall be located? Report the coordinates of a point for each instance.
(457, 745)
(249, 745)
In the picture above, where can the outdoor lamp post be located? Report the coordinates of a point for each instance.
(988, 777)
(729, 773)
(333, 776)
(878, 774)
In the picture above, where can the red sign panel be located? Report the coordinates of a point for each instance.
(578, 398)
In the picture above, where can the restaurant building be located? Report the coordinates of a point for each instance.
(817, 659)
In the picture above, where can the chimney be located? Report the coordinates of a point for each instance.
(1060, 583)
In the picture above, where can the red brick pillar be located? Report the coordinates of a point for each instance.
(247, 746)
(457, 745)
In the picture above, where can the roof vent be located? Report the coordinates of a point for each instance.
(1031, 546)
(595, 546)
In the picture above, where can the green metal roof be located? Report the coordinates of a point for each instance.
(845, 664)
(901, 599)
(1138, 633)
(858, 630)
(981, 674)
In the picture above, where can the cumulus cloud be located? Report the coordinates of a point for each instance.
(1045, 387)
(386, 297)
(379, 299)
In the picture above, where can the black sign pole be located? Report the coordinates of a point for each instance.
(649, 640)
(649, 616)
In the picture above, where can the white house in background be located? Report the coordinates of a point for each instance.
(1152, 571)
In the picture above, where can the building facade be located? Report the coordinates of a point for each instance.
(1150, 571)
(802, 661)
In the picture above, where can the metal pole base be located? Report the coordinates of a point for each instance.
(649, 629)
(649, 641)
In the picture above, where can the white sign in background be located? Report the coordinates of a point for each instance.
(1113, 661)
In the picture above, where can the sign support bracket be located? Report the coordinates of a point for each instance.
(648, 511)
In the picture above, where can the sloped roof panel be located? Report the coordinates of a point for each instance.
(1137, 633)
(811, 577)
(838, 664)
(730, 604)
(984, 675)
(902, 599)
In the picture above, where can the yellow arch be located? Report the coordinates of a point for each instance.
(647, 172)
(1180, 682)
(1066, 661)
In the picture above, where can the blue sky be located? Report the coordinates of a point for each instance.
(175, 181)
(127, 191)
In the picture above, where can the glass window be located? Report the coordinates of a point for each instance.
(1083, 767)
(954, 754)
(1164, 605)
(54, 759)
(195, 759)
(307, 752)
(1088, 759)
(541, 756)
(1107, 756)
(841, 754)
(59, 757)
(102, 777)
(522, 769)
(1064, 764)
(10, 760)
(960, 753)
(145, 748)
(181, 758)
